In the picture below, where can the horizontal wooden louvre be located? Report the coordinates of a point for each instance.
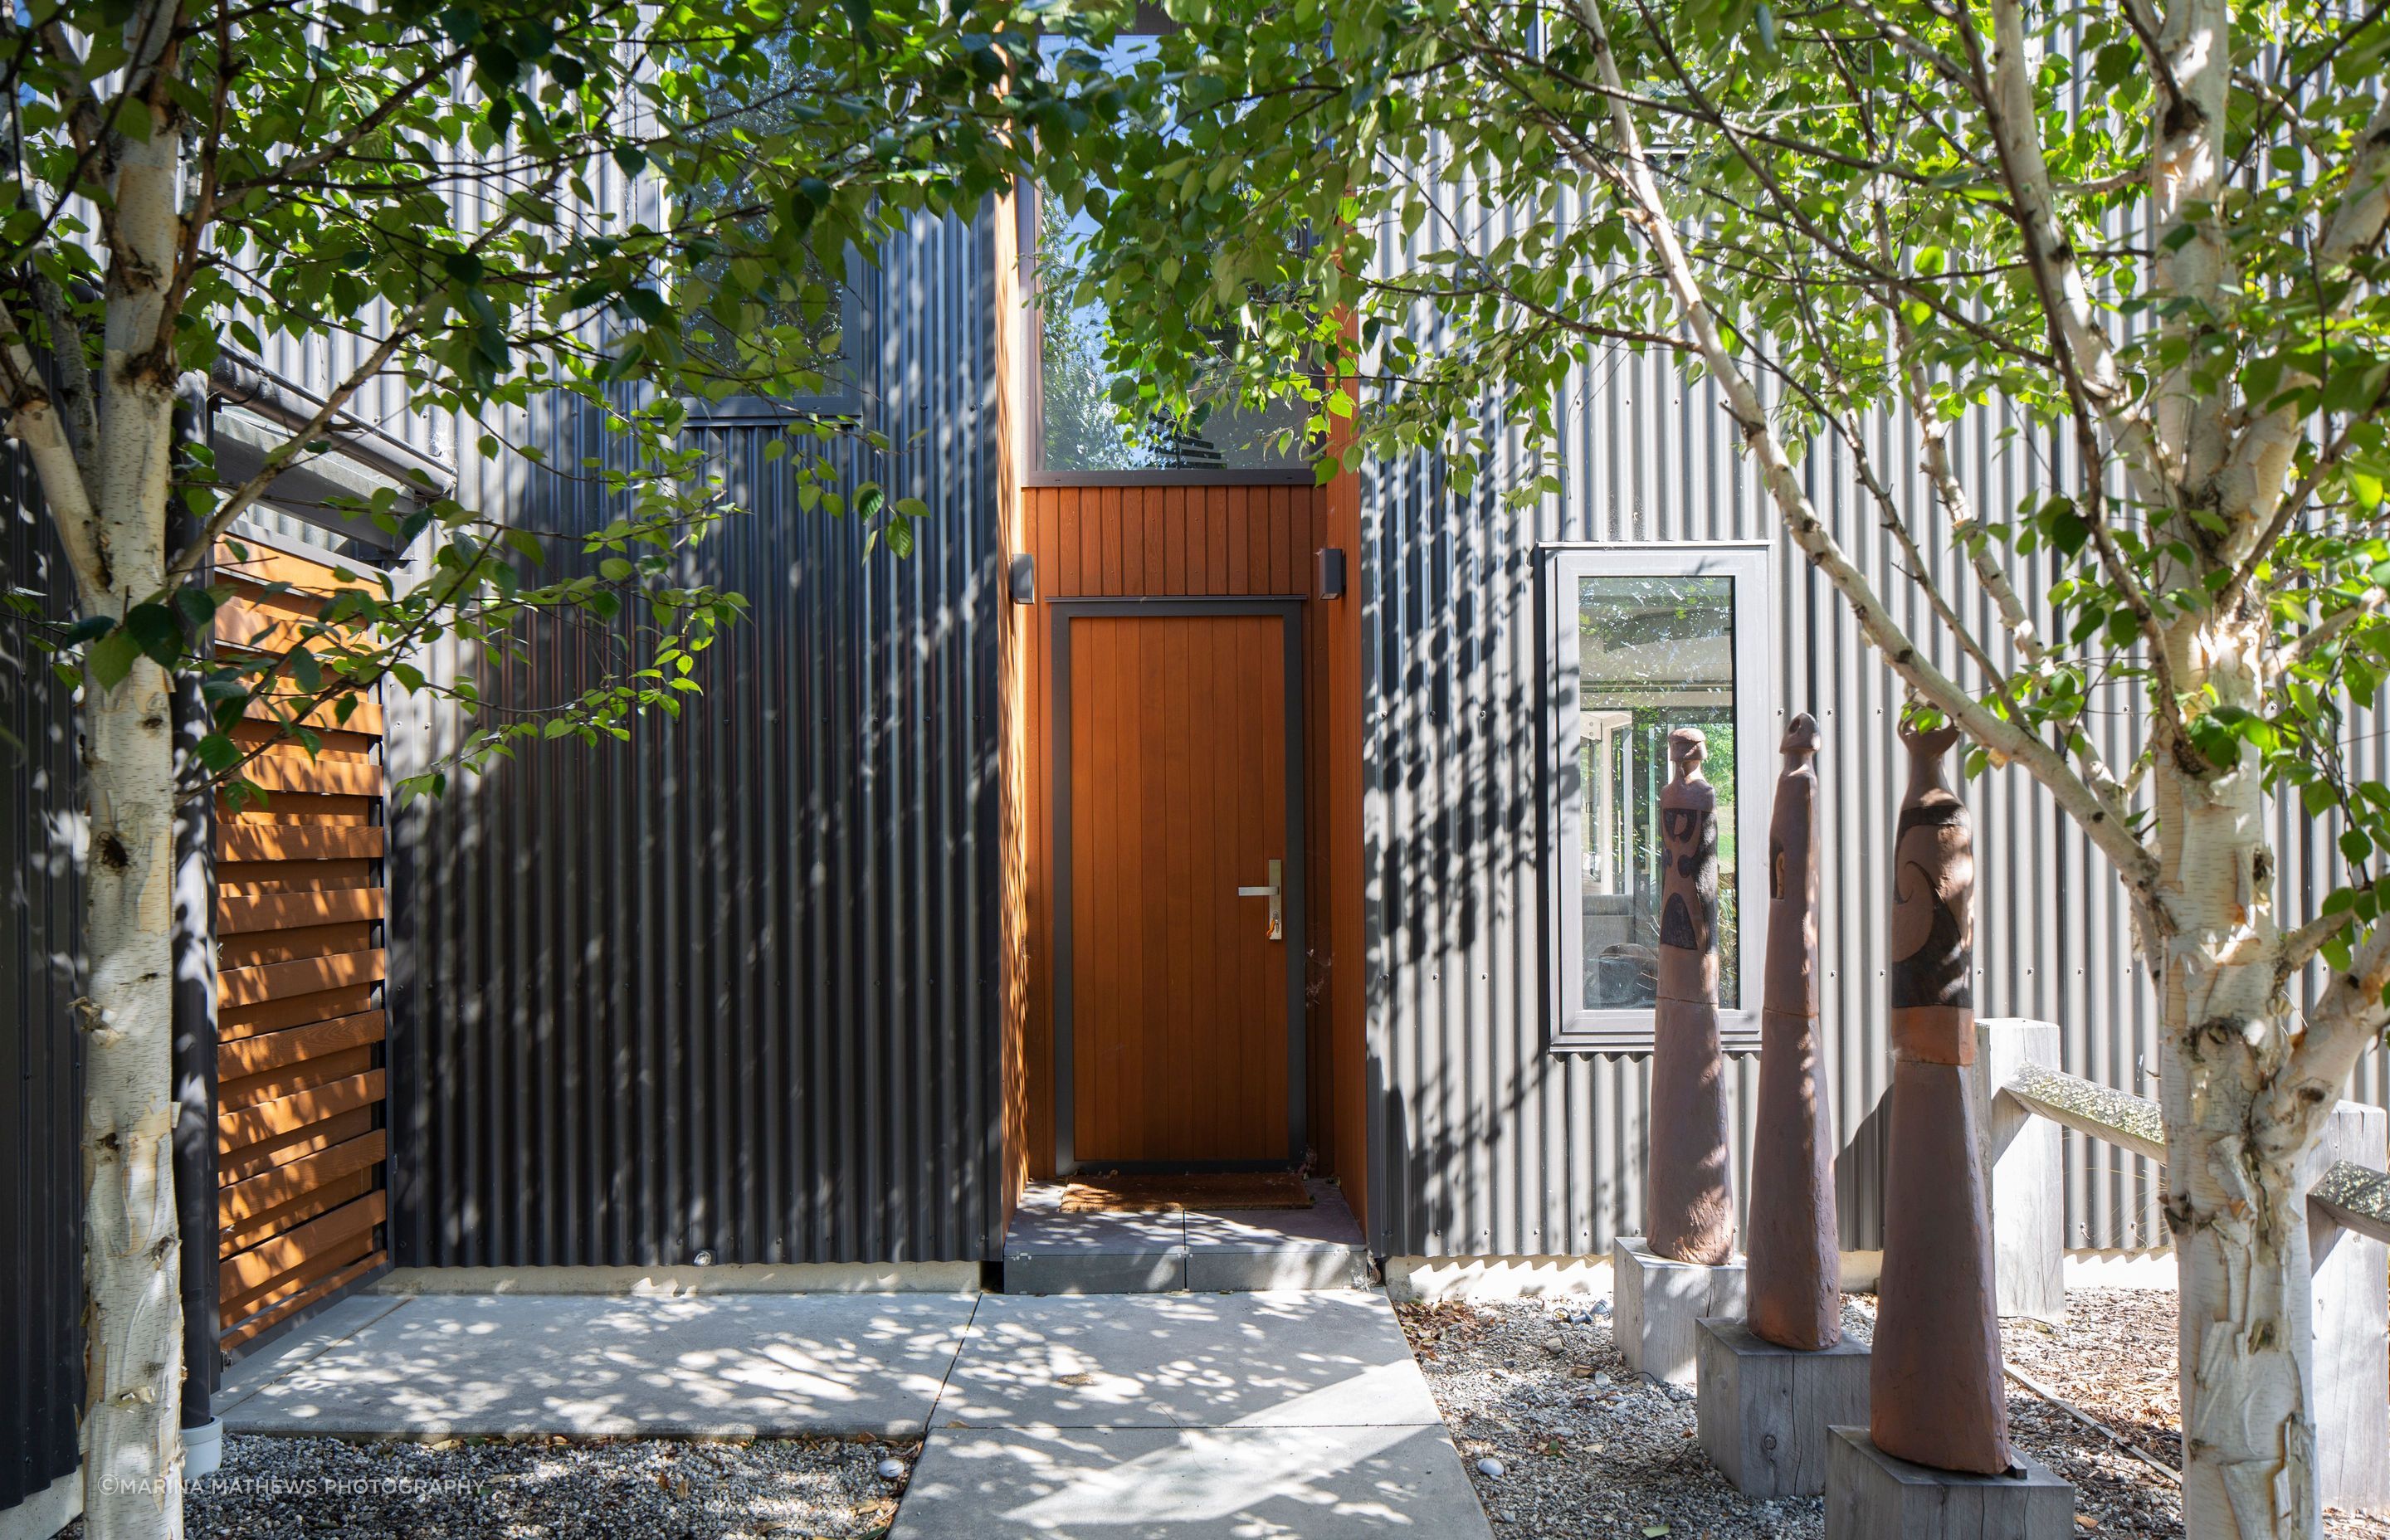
(300, 905)
(283, 1149)
(282, 911)
(266, 1320)
(279, 770)
(276, 843)
(256, 1055)
(249, 986)
(278, 1186)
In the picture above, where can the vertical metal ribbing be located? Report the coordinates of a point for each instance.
(723, 988)
(41, 1091)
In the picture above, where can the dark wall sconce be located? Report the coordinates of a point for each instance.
(1021, 578)
(1331, 573)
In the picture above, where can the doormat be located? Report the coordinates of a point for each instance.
(1225, 1189)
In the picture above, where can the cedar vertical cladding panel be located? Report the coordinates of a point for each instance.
(1168, 541)
(733, 986)
(1009, 339)
(1179, 797)
(301, 1079)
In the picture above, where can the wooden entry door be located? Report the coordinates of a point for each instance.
(1179, 777)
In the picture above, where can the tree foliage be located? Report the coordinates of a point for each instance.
(505, 212)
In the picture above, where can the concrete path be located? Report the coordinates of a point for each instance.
(514, 1365)
(1149, 1417)
(1170, 1416)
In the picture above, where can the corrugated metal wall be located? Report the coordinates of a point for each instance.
(731, 987)
(1484, 1142)
(41, 913)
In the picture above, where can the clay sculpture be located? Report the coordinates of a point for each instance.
(1687, 1200)
(1934, 1383)
(1794, 1268)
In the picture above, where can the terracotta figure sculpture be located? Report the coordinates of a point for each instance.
(1793, 1270)
(1934, 1382)
(1687, 1201)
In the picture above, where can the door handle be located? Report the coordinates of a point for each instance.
(1276, 893)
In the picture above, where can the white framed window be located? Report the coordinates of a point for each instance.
(1640, 640)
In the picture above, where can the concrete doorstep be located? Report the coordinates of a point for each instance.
(1120, 1416)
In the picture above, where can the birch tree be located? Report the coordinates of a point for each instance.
(476, 211)
(2145, 235)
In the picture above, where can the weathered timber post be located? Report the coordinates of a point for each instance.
(2350, 1313)
(2024, 1170)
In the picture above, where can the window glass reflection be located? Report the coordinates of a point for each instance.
(1654, 654)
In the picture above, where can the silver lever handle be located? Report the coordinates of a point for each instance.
(1276, 893)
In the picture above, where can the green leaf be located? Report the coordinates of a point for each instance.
(154, 629)
(110, 658)
(199, 607)
(218, 753)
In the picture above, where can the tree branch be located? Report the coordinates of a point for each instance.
(79, 403)
(2328, 630)
(2134, 862)
(2347, 1018)
(34, 422)
(2087, 360)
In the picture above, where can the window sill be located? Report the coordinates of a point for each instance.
(1258, 477)
(1616, 1032)
(766, 412)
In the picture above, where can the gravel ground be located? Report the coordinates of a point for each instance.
(626, 1489)
(1579, 1447)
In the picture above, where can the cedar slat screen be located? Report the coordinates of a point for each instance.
(300, 901)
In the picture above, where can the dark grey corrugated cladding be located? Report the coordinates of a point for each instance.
(40, 1087)
(731, 987)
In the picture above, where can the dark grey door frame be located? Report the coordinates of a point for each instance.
(1298, 1088)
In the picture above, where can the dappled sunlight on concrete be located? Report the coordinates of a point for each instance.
(1169, 1360)
(584, 1366)
(1170, 1416)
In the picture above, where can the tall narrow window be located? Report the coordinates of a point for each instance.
(1645, 640)
(1088, 421)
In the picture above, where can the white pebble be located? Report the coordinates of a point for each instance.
(1489, 1466)
(891, 1470)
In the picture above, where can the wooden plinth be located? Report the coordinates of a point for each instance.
(1765, 1408)
(1657, 1304)
(1870, 1496)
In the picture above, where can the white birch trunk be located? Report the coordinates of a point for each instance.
(2238, 1130)
(133, 1451)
